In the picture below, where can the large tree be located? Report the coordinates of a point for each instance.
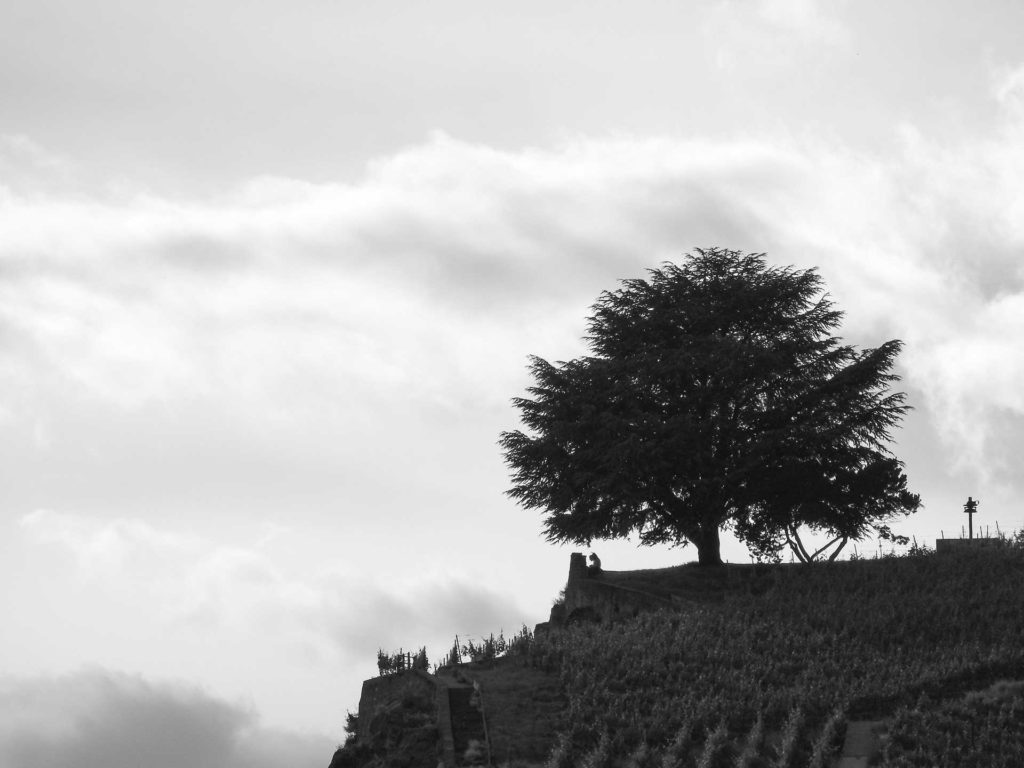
(715, 395)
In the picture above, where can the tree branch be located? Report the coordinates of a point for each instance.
(793, 539)
(837, 538)
(839, 549)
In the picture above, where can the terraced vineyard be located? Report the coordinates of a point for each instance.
(769, 674)
(985, 729)
(764, 666)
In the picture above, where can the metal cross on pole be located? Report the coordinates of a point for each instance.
(970, 508)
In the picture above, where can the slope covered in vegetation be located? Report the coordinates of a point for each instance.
(791, 657)
(770, 668)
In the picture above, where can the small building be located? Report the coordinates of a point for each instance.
(945, 546)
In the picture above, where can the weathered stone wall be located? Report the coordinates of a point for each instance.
(378, 692)
(577, 569)
(610, 602)
(594, 597)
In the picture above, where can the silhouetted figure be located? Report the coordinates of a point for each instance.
(595, 565)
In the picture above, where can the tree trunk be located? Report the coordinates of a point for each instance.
(708, 546)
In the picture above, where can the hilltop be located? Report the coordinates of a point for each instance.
(748, 665)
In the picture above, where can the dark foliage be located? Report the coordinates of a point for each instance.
(389, 663)
(351, 727)
(715, 395)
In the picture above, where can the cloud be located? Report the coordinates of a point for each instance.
(292, 309)
(772, 34)
(1008, 87)
(197, 581)
(104, 549)
(27, 168)
(98, 717)
(247, 604)
(428, 612)
(805, 18)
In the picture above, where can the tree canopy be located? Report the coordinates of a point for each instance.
(715, 395)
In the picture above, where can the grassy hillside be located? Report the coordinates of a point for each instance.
(767, 669)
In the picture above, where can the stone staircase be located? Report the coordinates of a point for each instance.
(466, 722)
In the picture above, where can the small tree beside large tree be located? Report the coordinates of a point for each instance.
(715, 396)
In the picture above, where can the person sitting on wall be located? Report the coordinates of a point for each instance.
(595, 565)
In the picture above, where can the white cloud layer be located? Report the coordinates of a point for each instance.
(430, 279)
(154, 596)
(101, 718)
(767, 33)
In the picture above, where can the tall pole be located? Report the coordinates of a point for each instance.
(969, 509)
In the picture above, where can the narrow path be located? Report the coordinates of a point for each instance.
(862, 743)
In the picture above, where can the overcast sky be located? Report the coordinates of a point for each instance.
(270, 273)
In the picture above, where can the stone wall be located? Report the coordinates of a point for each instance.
(965, 545)
(441, 692)
(379, 692)
(592, 597)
